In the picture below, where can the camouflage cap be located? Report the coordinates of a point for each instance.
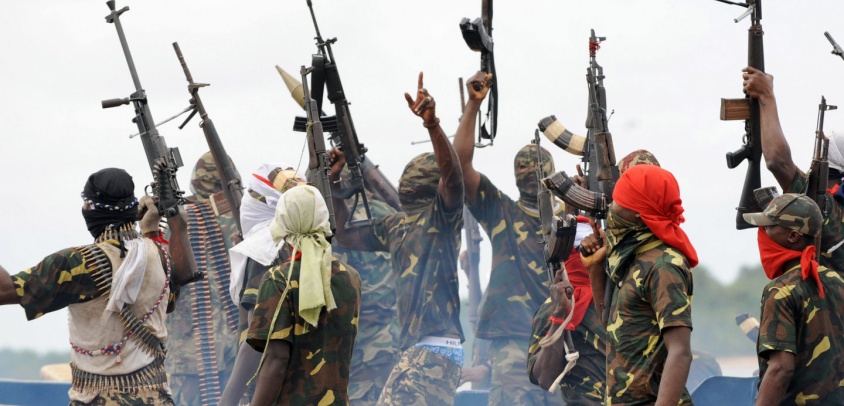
(527, 157)
(638, 157)
(791, 210)
(205, 180)
(418, 183)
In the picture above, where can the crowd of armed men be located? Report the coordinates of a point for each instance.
(284, 288)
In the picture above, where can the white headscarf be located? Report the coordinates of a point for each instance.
(836, 152)
(255, 217)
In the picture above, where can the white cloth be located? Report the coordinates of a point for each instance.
(254, 215)
(126, 283)
(836, 151)
(302, 220)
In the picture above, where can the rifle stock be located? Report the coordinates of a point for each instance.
(232, 189)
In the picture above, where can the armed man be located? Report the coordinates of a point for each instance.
(423, 242)
(203, 329)
(801, 334)
(775, 149)
(116, 291)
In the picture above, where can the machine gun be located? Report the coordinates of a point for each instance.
(819, 170)
(836, 49)
(747, 109)
(318, 162)
(163, 161)
(597, 150)
(325, 75)
(232, 188)
(478, 36)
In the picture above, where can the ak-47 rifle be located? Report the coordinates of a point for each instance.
(747, 109)
(597, 150)
(232, 188)
(472, 233)
(478, 36)
(318, 162)
(819, 170)
(163, 161)
(326, 76)
(836, 49)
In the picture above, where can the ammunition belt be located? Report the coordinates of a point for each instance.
(99, 267)
(151, 377)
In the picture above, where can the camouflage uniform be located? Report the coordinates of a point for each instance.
(318, 372)
(182, 362)
(832, 233)
(796, 318)
(376, 344)
(141, 397)
(423, 243)
(584, 385)
(655, 293)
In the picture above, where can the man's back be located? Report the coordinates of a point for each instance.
(797, 320)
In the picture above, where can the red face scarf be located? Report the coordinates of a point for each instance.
(654, 193)
(582, 297)
(774, 256)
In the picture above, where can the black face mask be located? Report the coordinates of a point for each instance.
(100, 220)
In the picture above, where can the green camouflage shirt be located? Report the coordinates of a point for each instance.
(249, 292)
(797, 320)
(518, 282)
(832, 233)
(589, 374)
(424, 250)
(318, 372)
(655, 293)
(59, 280)
(182, 356)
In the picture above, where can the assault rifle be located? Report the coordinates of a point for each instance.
(163, 161)
(819, 170)
(836, 49)
(478, 36)
(597, 150)
(326, 76)
(318, 162)
(747, 109)
(232, 188)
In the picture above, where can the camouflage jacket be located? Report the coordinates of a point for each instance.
(589, 374)
(318, 372)
(518, 283)
(797, 320)
(424, 250)
(182, 355)
(249, 292)
(655, 293)
(832, 232)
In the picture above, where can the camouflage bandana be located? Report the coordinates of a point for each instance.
(623, 241)
(638, 157)
(205, 180)
(526, 181)
(418, 183)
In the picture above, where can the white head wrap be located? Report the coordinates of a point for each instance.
(836, 152)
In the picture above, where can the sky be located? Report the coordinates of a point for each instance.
(667, 65)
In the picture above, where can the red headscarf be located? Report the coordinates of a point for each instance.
(579, 279)
(774, 256)
(654, 193)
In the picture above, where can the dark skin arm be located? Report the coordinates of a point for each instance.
(775, 149)
(182, 261)
(7, 289)
(678, 343)
(244, 367)
(464, 139)
(594, 264)
(776, 379)
(451, 181)
(271, 377)
(549, 360)
(347, 238)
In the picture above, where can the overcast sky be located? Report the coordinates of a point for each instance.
(667, 64)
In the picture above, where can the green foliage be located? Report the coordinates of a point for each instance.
(26, 364)
(715, 306)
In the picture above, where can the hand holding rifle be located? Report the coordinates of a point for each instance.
(483, 81)
(561, 295)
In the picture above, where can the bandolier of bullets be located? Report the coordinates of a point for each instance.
(151, 377)
(99, 267)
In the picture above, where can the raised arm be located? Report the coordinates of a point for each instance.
(464, 139)
(347, 238)
(775, 149)
(181, 253)
(451, 176)
(7, 289)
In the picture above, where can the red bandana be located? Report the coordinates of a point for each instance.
(579, 278)
(774, 257)
(654, 193)
(833, 190)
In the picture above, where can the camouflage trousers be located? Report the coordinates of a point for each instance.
(421, 377)
(366, 383)
(510, 384)
(141, 397)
